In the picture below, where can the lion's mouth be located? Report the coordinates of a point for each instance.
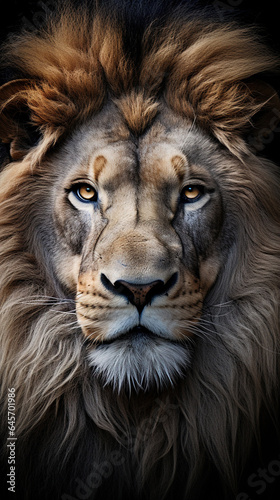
(139, 359)
(135, 335)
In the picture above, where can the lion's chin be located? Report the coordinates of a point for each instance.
(140, 362)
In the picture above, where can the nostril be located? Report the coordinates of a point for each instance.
(139, 295)
(123, 289)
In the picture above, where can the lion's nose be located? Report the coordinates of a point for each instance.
(139, 295)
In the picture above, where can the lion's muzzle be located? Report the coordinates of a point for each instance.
(139, 295)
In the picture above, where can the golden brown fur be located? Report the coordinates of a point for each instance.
(192, 408)
(201, 68)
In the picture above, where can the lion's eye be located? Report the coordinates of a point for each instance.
(191, 194)
(85, 192)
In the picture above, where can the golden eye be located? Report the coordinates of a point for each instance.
(190, 193)
(85, 192)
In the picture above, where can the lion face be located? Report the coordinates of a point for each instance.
(138, 224)
(140, 229)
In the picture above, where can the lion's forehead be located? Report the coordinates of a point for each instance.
(127, 163)
(163, 155)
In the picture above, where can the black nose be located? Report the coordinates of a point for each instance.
(139, 295)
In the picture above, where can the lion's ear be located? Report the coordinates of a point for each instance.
(263, 124)
(16, 128)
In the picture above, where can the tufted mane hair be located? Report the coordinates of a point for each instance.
(214, 74)
(203, 69)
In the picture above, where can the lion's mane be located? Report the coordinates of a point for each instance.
(201, 431)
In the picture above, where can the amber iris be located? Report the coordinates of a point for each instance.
(86, 192)
(192, 193)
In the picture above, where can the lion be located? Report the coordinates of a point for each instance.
(139, 240)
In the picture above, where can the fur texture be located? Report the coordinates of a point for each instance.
(180, 100)
(201, 68)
